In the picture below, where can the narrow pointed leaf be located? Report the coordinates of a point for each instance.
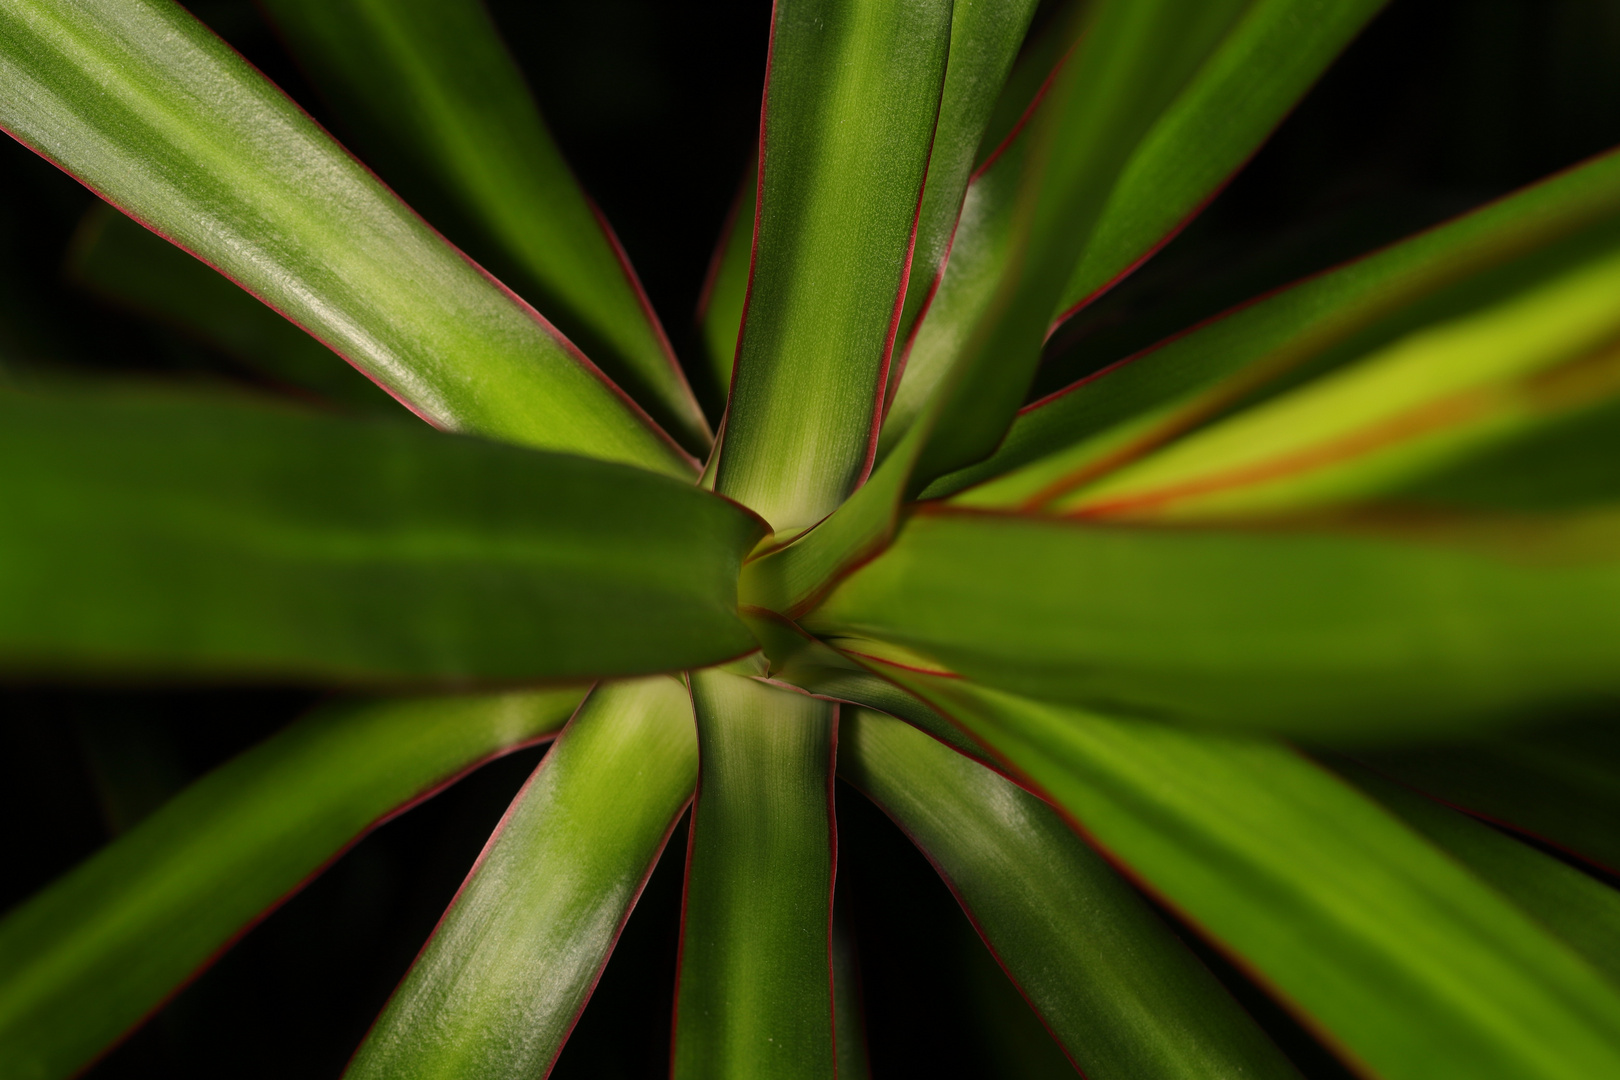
(851, 94)
(118, 260)
(1265, 65)
(499, 985)
(754, 997)
(1575, 906)
(1368, 633)
(985, 36)
(1130, 409)
(1132, 58)
(1428, 401)
(725, 289)
(1562, 785)
(1114, 985)
(145, 106)
(1408, 964)
(442, 111)
(849, 1021)
(161, 534)
(102, 948)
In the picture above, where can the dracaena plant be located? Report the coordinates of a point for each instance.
(1077, 648)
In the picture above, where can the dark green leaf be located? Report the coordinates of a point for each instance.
(850, 101)
(725, 289)
(499, 985)
(1382, 630)
(170, 535)
(439, 104)
(124, 263)
(150, 110)
(1575, 906)
(89, 957)
(754, 996)
(1410, 965)
(1113, 984)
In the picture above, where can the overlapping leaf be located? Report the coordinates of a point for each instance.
(150, 533)
(95, 953)
(150, 110)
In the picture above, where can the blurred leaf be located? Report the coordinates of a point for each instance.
(1561, 784)
(1265, 65)
(1580, 910)
(134, 765)
(115, 258)
(1114, 985)
(849, 1021)
(754, 995)
(150, 110)
(99, 950)
(725, 288)
(1382, 630)
(850, 102)
(1410, 965)
(433, 94)
(1132, 408)
(1430, 399)
(507, 971)
(171, 535)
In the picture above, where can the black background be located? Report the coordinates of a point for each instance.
(1441, 105)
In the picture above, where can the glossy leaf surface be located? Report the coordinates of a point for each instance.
(120, 261)
(1582, 911)
(754, 996)
(1415, 967)
(98, 951)
(441, 110)
(1363, 632)
(1115, 986)
(1132, 408)
(498, 987)
(850, 100)
(178, 535)
(150, 110)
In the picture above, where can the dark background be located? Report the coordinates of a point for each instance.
(1441, 105)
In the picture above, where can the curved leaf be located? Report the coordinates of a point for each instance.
(432, 93)
(851, 92)
(725, 287)
(1123, 996)
(499, 985)
(1137, 405)
(1582, 911)
(146, 107)
(754, 997)
(118, 260)
(171, 535)
(1376, 631)
(102, 948)
(1410, 965)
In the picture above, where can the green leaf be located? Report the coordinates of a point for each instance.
(1114, 985)
(725, 287)
(1132, 58)
(442, 111)
(150, 110)
(1573, 905)
(1427, 401)
(985, 36)
(88, 958)
(1561, 784)
(498, 987)
(1265, 65)
(1378, 630)
(173, 535)
(1132, 408)
(1407, 962)
(848, 1019)
(850, 100)
(118, 260)
(754, 997)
